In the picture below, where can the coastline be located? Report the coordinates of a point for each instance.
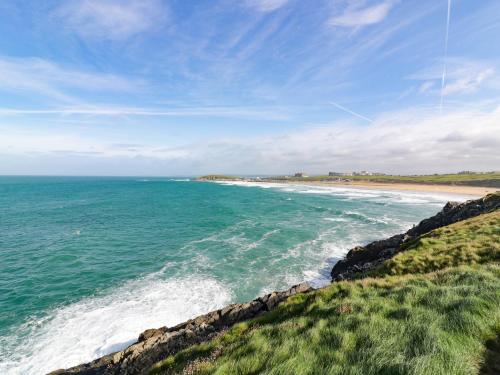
(157, 344)
(127, 309)
(472, 191)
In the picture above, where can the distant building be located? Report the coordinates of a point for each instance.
(299, 174)
(466, 172)
(339, 174)
(362, 173)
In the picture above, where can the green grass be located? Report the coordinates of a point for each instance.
(443, 322)
(432, 324)
(474, 241)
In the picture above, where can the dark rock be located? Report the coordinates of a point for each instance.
(363, 258)
(151, 333)
(154, 345)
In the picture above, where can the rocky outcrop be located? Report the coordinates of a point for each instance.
(153, 345)
(363, 258)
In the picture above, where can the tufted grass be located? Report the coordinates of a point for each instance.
(404, 321)
(473, 241)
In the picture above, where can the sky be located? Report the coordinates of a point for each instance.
(249, 87)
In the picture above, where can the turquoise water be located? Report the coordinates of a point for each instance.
(86, 263)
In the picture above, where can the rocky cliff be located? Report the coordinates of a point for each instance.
(363, 258)
(154, 345)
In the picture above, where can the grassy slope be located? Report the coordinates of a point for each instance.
(474, 241)
(411, 323)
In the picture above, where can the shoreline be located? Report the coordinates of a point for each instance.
(472, 191)
(156, 344)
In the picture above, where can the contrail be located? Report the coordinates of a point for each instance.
(351, 112)
(443, 78)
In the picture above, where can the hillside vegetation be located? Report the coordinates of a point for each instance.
(491, 179)
(434, 309)
(469, 242)
(479, 179)
(217, 177)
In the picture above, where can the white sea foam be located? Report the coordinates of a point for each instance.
(378, 219)
(103, 324)
(260, 241)
(265, 185)
(401, 196)
(329, 253)
(336, 219)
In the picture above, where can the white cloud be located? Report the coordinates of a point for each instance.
(48, 79)
(266, 5)
(112, 19)
(405, 142)
(110, 111)
(356, 17)
(468, 83)
(463, 76)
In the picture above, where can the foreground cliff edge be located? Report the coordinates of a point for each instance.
(426, 301)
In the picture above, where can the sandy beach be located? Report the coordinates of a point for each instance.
(472, 191)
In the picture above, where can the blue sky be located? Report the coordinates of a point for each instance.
(176, 87)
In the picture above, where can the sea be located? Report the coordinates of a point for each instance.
(88, 263)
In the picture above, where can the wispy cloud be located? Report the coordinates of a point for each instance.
(112, 19)
(463, 76)
(358, 17)
(266, 5)
(208, 112)
(347, 110)
(469, 83)
(48, 79)
(426, 86)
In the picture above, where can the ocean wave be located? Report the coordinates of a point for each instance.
(264, 185)
(361, 216)
(336, 219)
(100, 325)
(330, 250)
(260, 241)
(354, 193)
